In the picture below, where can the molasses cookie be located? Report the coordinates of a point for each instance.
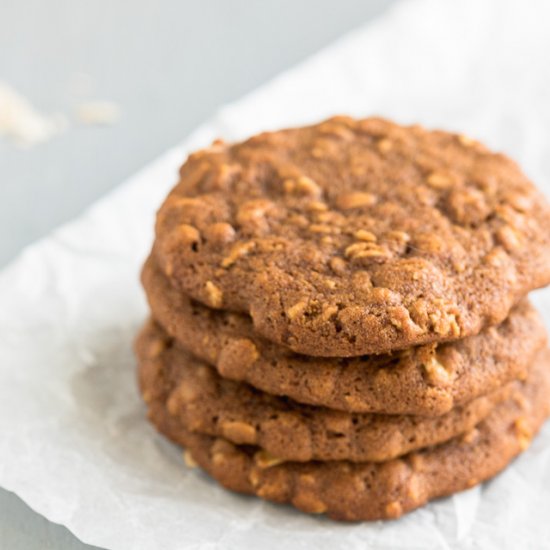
(209, 404)
(426, 380)
(354, 237)
(372, 490)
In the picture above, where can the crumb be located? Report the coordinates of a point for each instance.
(98, 112)
(22, 123)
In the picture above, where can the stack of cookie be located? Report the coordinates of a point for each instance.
(339, 317)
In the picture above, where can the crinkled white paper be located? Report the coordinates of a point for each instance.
(74, 443)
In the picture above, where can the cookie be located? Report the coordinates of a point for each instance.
(355, 237)
(371, 490)
(209, 404)
(427, 380)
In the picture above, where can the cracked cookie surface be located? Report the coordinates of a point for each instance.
(354, 237)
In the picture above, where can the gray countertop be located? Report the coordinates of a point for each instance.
(168, 65)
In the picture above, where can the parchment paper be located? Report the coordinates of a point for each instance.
(74, 443)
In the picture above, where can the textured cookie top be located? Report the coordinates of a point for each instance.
(427, 380)
(356, 236)
(209, 404)
(371, 490)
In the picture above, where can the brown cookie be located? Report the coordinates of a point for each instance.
(428, 380)
(209, 404)
(371, 490)
(355, 237)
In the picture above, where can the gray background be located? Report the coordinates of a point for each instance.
(169, 65)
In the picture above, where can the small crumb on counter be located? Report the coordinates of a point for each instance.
(21, 123)
(98, 112)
